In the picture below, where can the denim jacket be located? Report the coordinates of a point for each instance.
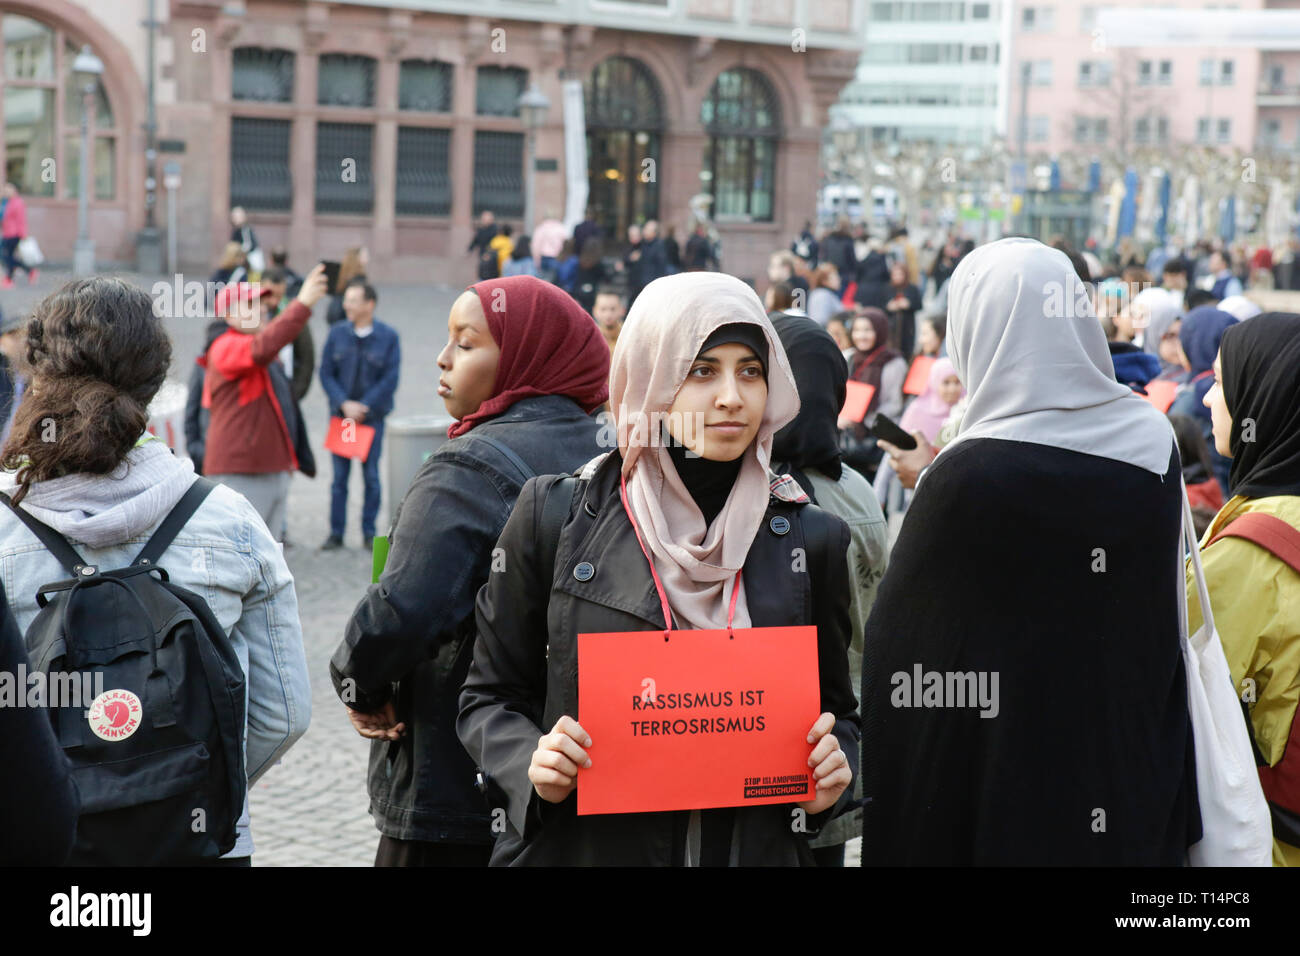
(225, 554)
(380, 355)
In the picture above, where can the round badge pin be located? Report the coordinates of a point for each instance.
(115, 714)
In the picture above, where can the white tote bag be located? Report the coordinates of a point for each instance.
(1235, 824)
(29, 252)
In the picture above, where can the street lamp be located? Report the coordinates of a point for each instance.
(86, 71)
(533, 105)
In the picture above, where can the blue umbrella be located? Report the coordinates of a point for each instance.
(1162, 221)
(1228, 220)
(1055, 184)
(1128, 208)
(1094, 176)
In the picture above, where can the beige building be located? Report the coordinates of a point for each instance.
(391, 125)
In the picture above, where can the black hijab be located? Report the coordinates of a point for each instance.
(708, 481)
(812, 439)
(1260, 365)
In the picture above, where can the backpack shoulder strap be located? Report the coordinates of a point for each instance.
(509, 454)
(54, 542)
(1269, 532)
(555, 509)
(175, 521)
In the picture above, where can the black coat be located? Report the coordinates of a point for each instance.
(1057, 573)
(524, 674)
(410, 637)
(837, 249)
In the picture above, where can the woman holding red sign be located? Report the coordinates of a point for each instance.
(682, 527)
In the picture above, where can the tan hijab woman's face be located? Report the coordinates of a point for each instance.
(469, 360)
(719, 408)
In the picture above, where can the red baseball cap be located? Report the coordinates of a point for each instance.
(239, 292)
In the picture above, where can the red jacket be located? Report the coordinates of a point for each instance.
(14, 225)
(247, 434)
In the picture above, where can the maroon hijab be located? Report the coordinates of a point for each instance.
(866, 367)
(549, 346)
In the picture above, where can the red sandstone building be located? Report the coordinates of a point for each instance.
(391, 125)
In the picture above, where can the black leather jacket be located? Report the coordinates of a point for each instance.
(524, 676)
(411, 636)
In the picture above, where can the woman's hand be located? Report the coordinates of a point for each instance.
(830, 766)
(381, 725)
(553, 771)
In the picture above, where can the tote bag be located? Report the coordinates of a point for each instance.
(29, 252)
(1235, 826)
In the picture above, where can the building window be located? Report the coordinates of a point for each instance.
(423, 171)
(1276, 78)
(1162, 131)
(979, 11)
(1271, 134)
(425, 85)
(743, 121)
(1227, 72)
(261, 75)
(1041, 74)
(259, 164)
(498, 89)
(1146, 73)
(1142, 131)
(1206, 73)
(42, 109)
(1038, 126)
(1038, 19)
(978, 54)
(1090, 129)
(346, 80)
(1224, 130)
(1087, 18)
(1203, 130)
(344, 183)
(1165, 76)
(1094, 73)
(498, 173)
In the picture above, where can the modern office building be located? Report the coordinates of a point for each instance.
(934, 71)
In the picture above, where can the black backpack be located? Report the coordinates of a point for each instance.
(158, 756)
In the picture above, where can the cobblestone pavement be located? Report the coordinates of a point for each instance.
(310, 810)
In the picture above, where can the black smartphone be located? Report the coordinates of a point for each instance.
(886, 429)
(331, 275)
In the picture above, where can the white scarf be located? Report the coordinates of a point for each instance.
(1027, 345)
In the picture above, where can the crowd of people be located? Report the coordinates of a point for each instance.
(1031, 537)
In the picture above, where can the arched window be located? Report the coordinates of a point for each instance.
(42, 112)
(743, 120)
(625, 121)
(345, 80)
(425, 85)
(261, 75)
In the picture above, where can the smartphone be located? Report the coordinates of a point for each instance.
(331, 275)
(886, 429)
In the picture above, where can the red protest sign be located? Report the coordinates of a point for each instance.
(857, 399)
(1161, 394)
(699, 720)
(348, 439)
(918, 376)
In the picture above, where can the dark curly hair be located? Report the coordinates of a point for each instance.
(97, 355)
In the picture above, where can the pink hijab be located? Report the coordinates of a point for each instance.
(663, 333)
(928, 413)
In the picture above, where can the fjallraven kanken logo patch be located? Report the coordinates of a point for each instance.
(114, 714)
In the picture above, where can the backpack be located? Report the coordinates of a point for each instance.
(158, 754)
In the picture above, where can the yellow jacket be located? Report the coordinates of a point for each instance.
(1256, 602)
(504, 246)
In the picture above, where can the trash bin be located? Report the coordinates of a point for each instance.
(408, 442)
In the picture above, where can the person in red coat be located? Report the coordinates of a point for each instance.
(13, 229)
(251, 443)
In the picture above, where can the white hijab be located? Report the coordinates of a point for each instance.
(1027, 345)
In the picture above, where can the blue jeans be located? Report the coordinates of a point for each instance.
(339, 490)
